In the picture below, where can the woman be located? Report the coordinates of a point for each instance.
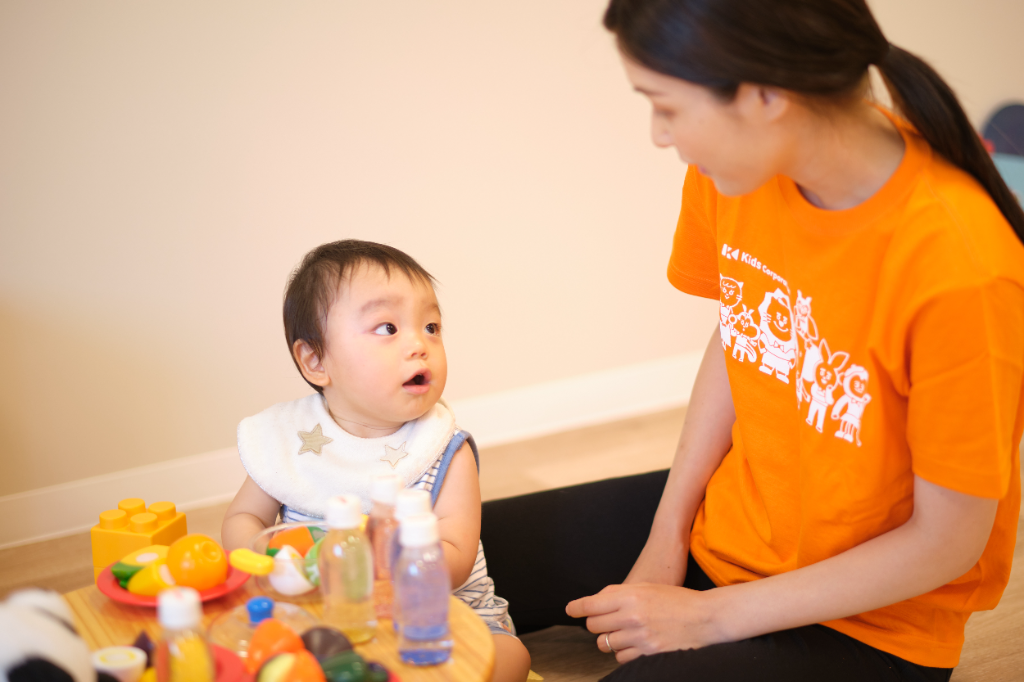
(848, 474)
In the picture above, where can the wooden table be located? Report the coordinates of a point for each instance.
(103, 622)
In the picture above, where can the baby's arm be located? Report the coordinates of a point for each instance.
(251, 511)
(458, 515)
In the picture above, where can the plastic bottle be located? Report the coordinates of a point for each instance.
(346, 571)
(422, 587)
(183, 654)
(233, 629)
(381, 528)
(408, 502)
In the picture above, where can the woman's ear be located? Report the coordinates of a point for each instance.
(309, 363)
(763, 103)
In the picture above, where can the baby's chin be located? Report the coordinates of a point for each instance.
(417, 406)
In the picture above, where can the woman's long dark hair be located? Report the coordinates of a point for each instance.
(818, 48)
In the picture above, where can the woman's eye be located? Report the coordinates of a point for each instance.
(433, 328)
(386, 329)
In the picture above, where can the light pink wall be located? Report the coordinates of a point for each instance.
(163, 166)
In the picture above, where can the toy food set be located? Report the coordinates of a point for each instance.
(234, 629)
(322, 654)
(195, 561)
(131, 527)
(227, 666)
(284, 560)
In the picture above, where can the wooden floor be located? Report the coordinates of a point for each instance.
(994, 651)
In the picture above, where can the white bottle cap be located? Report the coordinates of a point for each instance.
(418, 531)
(179, 608)
(410, 502)
(384, 488)
(344, 511)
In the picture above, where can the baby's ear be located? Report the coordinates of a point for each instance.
(309, 363)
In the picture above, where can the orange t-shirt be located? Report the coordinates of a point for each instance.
(863, 346)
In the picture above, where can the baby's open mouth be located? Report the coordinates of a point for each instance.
(419, 379)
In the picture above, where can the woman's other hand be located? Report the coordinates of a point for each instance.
(642, 619)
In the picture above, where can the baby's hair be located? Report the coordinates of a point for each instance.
(820, 49)
(314, 285)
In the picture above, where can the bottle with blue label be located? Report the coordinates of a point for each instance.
(422, 588)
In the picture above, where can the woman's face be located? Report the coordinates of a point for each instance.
(739, 144)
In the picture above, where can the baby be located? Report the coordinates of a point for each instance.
(364, 329)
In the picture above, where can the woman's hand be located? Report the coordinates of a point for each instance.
(643, 619)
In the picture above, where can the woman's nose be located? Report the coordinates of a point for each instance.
(660, 133)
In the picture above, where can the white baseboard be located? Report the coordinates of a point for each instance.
(579, 401)
(74, 507)
(214, 477)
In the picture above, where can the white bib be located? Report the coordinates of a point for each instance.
(299, 456)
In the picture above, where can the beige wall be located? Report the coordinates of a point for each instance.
(163, 166)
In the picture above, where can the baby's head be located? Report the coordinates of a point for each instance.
(364, 329)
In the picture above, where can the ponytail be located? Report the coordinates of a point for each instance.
(929, 104)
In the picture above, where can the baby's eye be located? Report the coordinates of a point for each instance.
(386, 329)
(433, 328)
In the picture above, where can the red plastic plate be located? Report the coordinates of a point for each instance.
(108, 585)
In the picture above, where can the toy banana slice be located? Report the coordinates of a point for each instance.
(250, 562)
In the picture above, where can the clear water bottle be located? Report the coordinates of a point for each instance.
(382, 527)
(183, 654)
(346, 571)
(408, 502)
(422, 587)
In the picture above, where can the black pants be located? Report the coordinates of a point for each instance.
(548, 548)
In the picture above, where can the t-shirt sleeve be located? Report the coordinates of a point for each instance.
(966, 366)
(693, 266)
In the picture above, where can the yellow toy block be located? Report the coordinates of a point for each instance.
(130, 527)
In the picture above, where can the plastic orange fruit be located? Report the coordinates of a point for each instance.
(272, 637)
(197, 561)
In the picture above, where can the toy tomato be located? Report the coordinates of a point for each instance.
(197, 561)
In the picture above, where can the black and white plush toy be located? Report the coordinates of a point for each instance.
(38, 642)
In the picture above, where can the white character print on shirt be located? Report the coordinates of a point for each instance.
(826, 377)
(743, 329)
(855, 398)
(777, 344)
(732, 294)
(807, 344)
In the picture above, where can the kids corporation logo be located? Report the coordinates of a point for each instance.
(730, 253)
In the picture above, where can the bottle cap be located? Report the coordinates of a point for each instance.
(385, 488)
(179, 608)
(344, 511)
(259, 608)
(418, 531)
(410, 502)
